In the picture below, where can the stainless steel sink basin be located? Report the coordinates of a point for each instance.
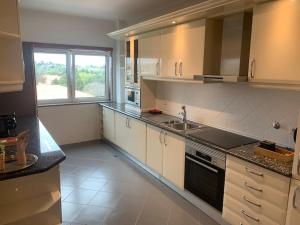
(184, 126)
(180, 126)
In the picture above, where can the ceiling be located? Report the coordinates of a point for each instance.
(131, 11)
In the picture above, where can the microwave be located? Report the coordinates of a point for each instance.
(133, 96)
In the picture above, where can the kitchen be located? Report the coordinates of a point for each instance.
(186, 115)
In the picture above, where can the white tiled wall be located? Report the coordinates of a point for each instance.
(235, 107)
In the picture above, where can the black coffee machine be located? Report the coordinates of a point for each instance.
(8, 124)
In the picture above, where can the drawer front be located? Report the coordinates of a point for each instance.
(260, 191)
(258, 174)
(245, 213)
(259, 206)
(235, 219)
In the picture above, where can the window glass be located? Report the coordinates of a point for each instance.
(90, 76)
(72, 75)
(51, 75)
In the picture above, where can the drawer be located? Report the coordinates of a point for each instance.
(245, 213)
(260, 191)
(259, 206)
(233, 218)
(258, 174)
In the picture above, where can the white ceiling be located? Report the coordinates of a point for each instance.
(127, 10)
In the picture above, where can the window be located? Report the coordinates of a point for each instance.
(72, 75)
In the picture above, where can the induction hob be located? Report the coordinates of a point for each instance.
(220, 138)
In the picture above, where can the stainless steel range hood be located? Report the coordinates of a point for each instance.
(220, 78)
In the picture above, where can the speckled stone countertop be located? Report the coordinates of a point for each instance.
(41, 144)
(244, 152)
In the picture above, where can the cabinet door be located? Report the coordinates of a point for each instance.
(109, 124)
(170, 51)
(149, 54)
(122, 131)
(155, 149)
(9, 17)
(275, 46)
(173, 159)
(192, 36)
(293, 213)
(137, 139)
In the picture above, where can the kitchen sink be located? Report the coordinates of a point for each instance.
(181, 126)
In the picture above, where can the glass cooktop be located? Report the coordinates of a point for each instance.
(220, 138)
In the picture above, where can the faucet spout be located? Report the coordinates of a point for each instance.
(183, 114)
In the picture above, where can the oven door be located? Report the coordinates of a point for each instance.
(204, 180)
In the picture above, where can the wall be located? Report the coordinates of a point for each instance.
(75, 123)
(235, 107)
(72, 123)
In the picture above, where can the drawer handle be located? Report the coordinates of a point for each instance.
(253, 188)
(294, 197)
(251, 217)
(253, 203)
(254, 172)
(160, 136)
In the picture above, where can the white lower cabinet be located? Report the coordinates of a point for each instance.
(254, 195)
(293, 212)
(173, 159)
(166, 154)
(131, 136)
(109, 124)
(122, 131)
(137, 139)
(155, 149)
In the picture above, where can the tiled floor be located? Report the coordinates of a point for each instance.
(101, 187)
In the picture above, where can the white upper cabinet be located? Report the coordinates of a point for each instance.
(11, 58)
(149, 54)
(275, 46)
(192, 43)
(182, 50)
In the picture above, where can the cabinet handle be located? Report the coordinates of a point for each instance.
(294, 197)
(298, 166)
(252, 68)
(253, 203)
(165, 138)
(253, 188)
(157, 69)
(129, 123)
(126, 121)
(180, 69)
(160, 136)
(251, 217)
(176, 64)
(254, 172)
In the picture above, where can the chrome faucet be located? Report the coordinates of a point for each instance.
(183, 114)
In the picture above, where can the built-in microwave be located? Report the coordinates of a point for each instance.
(133, 96)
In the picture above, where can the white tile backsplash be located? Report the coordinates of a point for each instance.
(240, 108)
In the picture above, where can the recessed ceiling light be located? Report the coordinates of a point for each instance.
(173, 22)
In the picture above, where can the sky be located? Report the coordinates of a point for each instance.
(59, 58)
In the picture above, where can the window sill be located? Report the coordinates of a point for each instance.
(69, 103)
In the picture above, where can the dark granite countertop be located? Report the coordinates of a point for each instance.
(244, 152)
(41, 144)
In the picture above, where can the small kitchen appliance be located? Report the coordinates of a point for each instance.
(8, 124)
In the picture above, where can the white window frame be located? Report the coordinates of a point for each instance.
(70, 72)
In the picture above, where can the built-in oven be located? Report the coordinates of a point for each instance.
(205, 173)
(133, 96)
